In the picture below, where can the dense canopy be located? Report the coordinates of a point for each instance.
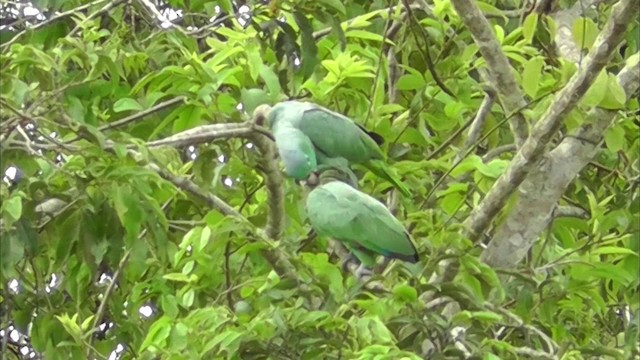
(145, 215)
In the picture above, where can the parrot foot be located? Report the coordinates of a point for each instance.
(362, 272)
(349, 260)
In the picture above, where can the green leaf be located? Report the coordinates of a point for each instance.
(252, 98)
(613, 250)
(271, 80)
(309, 48)
(584, 32)
(205, 235)
(405, 293)
(158, 333)
(597, 91)
(334, 4)
(614, 138)
(179, 277)
(615, 97)
(451, 203)
(125, 104)
(490, 9)
(191, 116)
(188, 298)
(486, 316)
(337, 29)
(529, 26)
(531, 76)
(76, 109)
(367, 35)
(410, 82)
(169, 306)
(254, 61)
(13, 207)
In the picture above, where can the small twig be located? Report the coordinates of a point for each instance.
(551, 345)
(106, 8)
(326, 31)
(53, 19)
(494, 153)
(499, 68)
(108, 291)
(274, 183)
(157, 15)
(137, 116)
(27, 140)
(227, 273)
(570, 211)
(374, 89)
(426, 50)
(536, 354)
(475, 130)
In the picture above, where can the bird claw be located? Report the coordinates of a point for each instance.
(312, 180)
(362, 272)
(345, 263)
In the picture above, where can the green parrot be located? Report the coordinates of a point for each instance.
(331, 135)
(336, 209)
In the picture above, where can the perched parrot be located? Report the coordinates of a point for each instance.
(331, 135)
(363, 224)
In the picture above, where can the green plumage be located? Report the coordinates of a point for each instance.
(366, 227)
(332, 135)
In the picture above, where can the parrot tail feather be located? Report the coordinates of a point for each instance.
(413, 258)
(379, 168)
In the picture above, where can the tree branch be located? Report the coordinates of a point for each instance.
(108, 7)
(542, 189)
(137, 116)
(380, 12)
(500, 71)
(570, 211)
(475, 129)
(274, 184)
(564, 18)
(533, 149)
(202, 134)
(60, 16)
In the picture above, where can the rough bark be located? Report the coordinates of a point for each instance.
(500, 72)
(534, 148)
(540, 192)
(564, 19)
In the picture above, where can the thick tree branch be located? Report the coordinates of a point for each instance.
(500, 71)
(274, 184)
(533, 149)
(202, 134)
(544, 186)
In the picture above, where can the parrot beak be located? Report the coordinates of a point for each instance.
(311, 182)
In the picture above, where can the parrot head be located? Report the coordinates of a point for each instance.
(336, 172)
(261, 115)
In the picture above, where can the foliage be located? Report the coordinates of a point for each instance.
(213, 293)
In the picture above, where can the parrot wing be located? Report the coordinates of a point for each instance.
(346, 214)
(338, 136)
